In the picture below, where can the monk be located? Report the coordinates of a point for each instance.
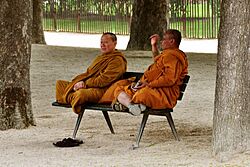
(89, 86)
(159, 86)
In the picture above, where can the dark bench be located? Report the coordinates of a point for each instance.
(107, 107)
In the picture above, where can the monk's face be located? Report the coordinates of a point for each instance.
(167, 42)
(107, 44)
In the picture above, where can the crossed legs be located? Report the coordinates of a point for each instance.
(126, 100)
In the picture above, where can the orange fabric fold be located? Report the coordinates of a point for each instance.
(105, 70)
(164, 76)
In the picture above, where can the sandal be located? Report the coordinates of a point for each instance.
(136, 109)
(69, 142)
(117, 106)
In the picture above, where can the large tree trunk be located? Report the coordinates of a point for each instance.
(15, 52)
(37, 30)
(149, 17)
(231, 114)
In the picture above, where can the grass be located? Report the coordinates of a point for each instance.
(198, 28)
(70, 25)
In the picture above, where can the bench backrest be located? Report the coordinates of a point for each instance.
(183, 86)
(127, 75)
(138, 75)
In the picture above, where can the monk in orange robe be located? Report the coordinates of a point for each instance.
(159, 86)
(89, 86)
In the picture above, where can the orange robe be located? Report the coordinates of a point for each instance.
(164, 77)
(105, 70)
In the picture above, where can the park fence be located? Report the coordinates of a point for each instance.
(194, 18)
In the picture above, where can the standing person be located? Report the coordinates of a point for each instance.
(89, 86)
(159, 86)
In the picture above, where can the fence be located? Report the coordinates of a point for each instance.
(194, 18)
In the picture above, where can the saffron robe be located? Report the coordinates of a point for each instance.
(105, 70)
(164, 77)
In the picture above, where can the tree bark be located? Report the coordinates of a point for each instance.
(15, 53)
(149, 17)
(37, 30)
(231, 113)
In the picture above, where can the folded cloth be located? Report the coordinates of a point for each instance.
(68, 142)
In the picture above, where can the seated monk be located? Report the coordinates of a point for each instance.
(89, 86)
(159, 86)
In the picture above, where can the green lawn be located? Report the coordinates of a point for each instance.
(197, 28)
(70, 25)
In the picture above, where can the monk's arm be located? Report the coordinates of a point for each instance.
(171, 73)
(154, 40)
(155, 50)
(113, 72)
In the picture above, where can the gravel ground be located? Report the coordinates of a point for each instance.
(192, 116)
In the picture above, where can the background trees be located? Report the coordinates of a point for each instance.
(149, 17)
(37, 29)
(231, 124)
(15, 52)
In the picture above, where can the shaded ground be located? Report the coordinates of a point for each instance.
(192, 116)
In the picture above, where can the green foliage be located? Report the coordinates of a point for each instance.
(193, 10)
(99, 7)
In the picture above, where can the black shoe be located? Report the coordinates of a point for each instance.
(69, 142)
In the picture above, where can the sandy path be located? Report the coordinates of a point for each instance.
(192, 116)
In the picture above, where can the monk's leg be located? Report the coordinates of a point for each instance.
(83, 96)
(60, 90)
(134, 109)
(124, 98)
(150, 97)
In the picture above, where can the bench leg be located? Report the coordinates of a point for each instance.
(172, 126)
(141, 129)
(78, 122)
(106, 116)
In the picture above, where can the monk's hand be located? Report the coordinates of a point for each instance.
(154, 39)
(142, 84)
(134, 86)
(79, 85)
(139, 85)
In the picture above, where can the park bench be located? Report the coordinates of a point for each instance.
(105, 108)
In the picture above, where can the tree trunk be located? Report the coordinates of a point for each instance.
(37, 30)
(231, 113)
(149, 17)
(168, 13)
(15, 53)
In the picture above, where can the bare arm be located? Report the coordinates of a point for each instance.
(154, 40)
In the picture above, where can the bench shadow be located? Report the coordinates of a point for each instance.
(158, 132)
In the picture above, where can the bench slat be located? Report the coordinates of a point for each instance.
(107, 107)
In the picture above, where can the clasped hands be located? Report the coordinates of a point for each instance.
(138, 85)
(79, 85)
